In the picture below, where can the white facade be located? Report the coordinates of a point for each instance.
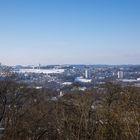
(138, 79)
(120, 74)
(86, 73)
(67, 83)
(83, 80)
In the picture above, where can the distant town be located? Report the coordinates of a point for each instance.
(74, 77)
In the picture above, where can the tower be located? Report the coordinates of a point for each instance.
(39, 66)
(120, 74)
(86, 73)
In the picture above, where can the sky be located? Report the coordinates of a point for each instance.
(69, 32)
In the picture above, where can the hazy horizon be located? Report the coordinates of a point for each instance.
(64, 64)
(69, 32)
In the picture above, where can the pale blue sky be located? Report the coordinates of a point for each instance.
(69, 31)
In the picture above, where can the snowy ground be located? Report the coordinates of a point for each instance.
(45, 71)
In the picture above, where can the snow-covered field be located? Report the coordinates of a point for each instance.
(45, 71)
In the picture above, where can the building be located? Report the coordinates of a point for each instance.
(120, 74)
(86, 74)
(83, 80)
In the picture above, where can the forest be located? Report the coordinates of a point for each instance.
(109, 113)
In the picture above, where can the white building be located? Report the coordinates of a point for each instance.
(86, 73)
(67, 83)
(83, 80)
(138, 79)
(120, 74)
